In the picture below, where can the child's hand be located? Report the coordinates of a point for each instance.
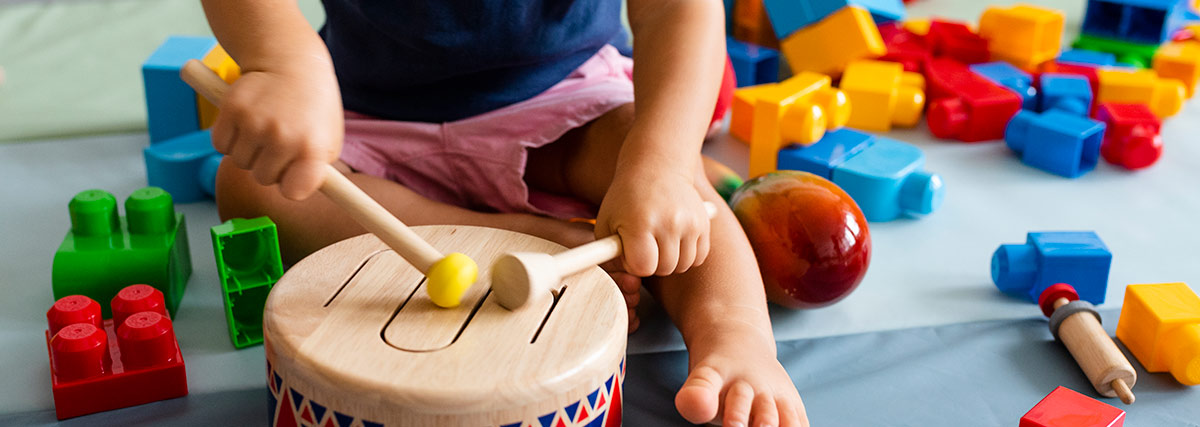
(661, 219)
(285, 126)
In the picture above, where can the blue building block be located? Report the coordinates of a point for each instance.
(176, 165)
(787, 16)
(1088, 57)
(826, 154)
(887, 181)
(1013, 78)
(1079, 259)
(1066, 92)
(752, 64)
(170, 103)
(1056, 141)
(1138, 21)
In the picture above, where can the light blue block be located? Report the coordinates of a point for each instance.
(787, 16)
(826, 154)
(1013, 78)
(170, 103)
(1137, 21)
(887, 181)
(178, 165)
(1088, 57)
(1077, 258)
(752, 64)
(1056, 141)
(1066, 92)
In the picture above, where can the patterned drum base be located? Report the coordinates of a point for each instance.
(287, 407)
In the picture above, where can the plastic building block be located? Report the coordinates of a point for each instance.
(221, 63)
(751, 24)
(1022, 35)
(799, 110)
(1132, 140)
(789, 16)
(1092, 73)
(1066, 92)
(1011, 77)
(248, 264)
(882, 94)
(1163, 96)
(752, 64)
(887, 181)
(1140, 21)
(100, 365)
(1046, 258)
(171, 108)
(957, 41)
(1088, 57)
(103, 252)
(966, 106)
(1135, 54)
(1160, 324)
(917, 26)
(1064, 407)
(827, 46)
(174, 165)
(827, 154)
(1179, 61)
(1056, 141)
(905, 47)
(741, 121)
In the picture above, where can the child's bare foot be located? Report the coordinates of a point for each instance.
(735, 379)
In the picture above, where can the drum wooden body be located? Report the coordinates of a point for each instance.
(352, 339)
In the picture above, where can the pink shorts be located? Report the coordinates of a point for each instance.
(479, 162)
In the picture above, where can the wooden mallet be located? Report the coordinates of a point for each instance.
(448, 277)
(520, 277)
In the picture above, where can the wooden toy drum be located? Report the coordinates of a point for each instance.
(352, 339)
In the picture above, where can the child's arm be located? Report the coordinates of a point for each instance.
(679, 55)
(283, 118)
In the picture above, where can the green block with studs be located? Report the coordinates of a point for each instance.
(1135, 54)
(104, 252)
(248, 264)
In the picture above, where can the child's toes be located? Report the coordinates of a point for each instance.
(764, 411)
(632, 299)
(791, 412)
(738, 402)
(698, 399)
(634, 321)
(628, 283)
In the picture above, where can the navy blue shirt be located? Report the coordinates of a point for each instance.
(444, 60)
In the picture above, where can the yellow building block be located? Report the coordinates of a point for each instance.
(829, 45)
(796, 111)
(1179, 61)
(882, 94)
(919, 26)
(221, 63)
(1160, 324)
(1022, 35)
(741, 120)
(1163, 96)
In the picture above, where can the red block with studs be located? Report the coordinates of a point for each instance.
(964, 105)
(905, 47)
(1064, 407)
(957, 41)
(1133, 139)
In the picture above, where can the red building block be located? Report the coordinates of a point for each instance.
(1064, 407)
(956, 40)
(97, 367)
(905, 47)
(1133, 140)
(965, 106)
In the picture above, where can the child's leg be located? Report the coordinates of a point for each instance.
(719, 307)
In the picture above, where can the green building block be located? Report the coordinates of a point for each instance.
(248, 263)
(104, 252)
(1136, 54)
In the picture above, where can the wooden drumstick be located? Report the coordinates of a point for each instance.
(1077, 324)
(518, 276)
(448, 276)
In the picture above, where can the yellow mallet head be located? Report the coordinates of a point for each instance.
(450, 278)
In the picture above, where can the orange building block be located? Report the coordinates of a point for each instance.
(1160, 324)
(796, 111)
(1022, 35)
(829, 45)
(1163, 96)
(883, 94)
(1179, 61)
(220, 62)
(741, 120)
(752, 25)
(918, 26)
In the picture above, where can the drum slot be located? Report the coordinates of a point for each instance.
(352, 276)
(463, 327)
(557, 296)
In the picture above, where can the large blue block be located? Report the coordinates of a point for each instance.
(826, 154)
(1138, 21)
(1056, 141)
(887, 181)
(1078, 258)
(170, 103)
(1088, 57)
(787, 16)
(1013, 78)
(752, 64)
(1066, 92)
(185, 166)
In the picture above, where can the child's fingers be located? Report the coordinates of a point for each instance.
(271, 164)
(668, 255)
(639, 254)
(302, 178)
(687, 254)
(703, 248)
(245, 150)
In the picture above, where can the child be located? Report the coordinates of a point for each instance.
(511, 114)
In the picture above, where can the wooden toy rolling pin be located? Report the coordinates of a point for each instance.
(520, 277)
(449, 276)
(1077, 324)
